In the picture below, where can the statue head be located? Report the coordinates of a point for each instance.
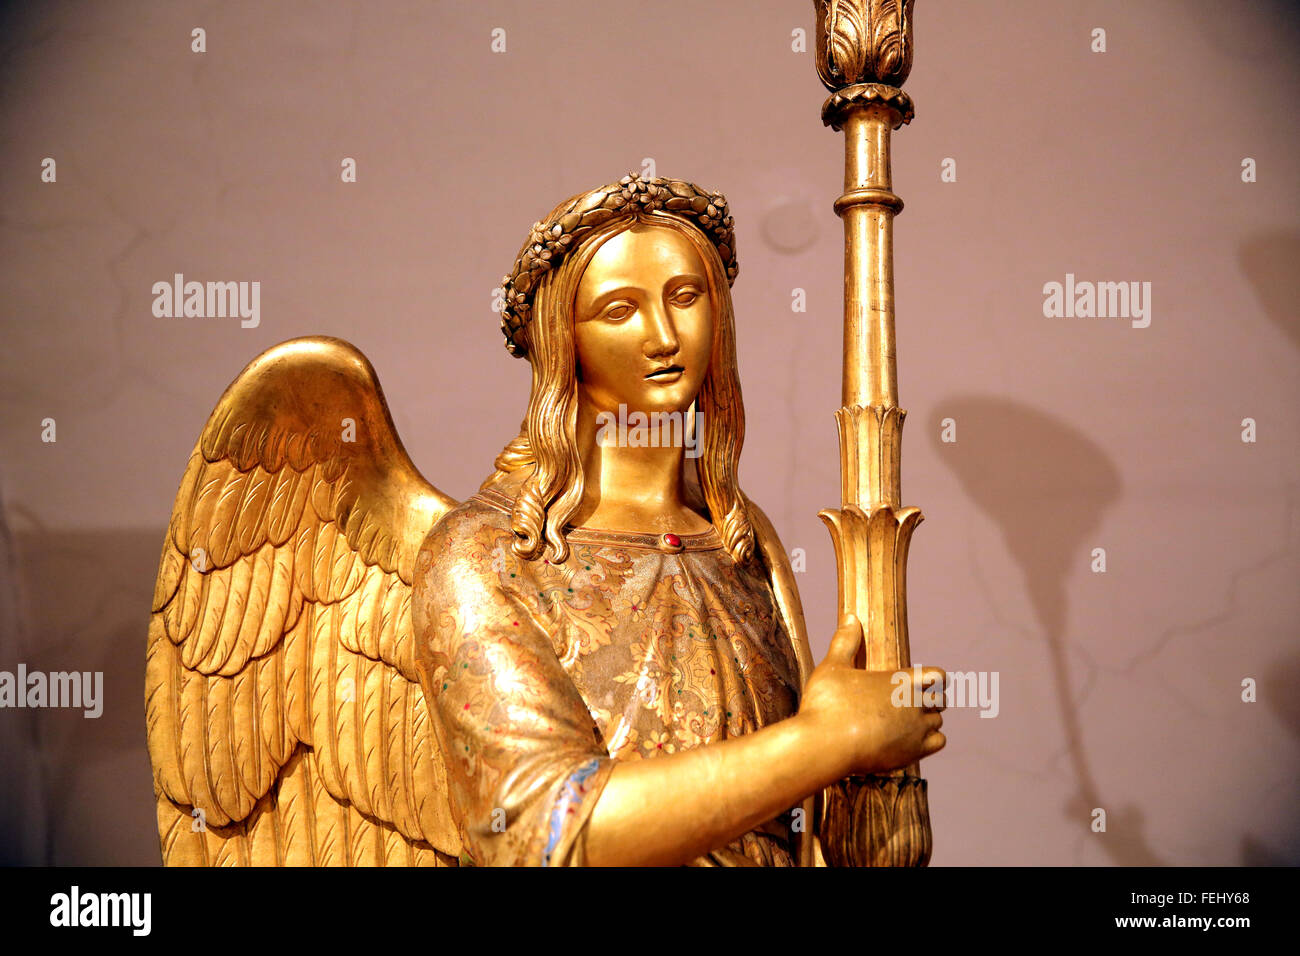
(643, 324)
(632, 308)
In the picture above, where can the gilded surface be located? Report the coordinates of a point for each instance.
(543, 674)
(599, 659)
(285, 720)
(864, 54)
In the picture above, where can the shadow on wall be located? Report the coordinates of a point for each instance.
(1236, 34)
(87, 791)
(1277, 688)
(1047, 485)
(1271, 261)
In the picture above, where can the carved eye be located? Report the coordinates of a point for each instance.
(684, 297)
(619, 312)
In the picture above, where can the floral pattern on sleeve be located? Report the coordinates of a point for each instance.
(543, 676)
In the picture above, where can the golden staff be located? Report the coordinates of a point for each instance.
(864, 53)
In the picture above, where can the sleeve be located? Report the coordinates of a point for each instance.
(525, 763)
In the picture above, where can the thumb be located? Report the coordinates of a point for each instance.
(845, 642)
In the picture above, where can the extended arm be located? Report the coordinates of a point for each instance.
(529, 778)
(675, 808)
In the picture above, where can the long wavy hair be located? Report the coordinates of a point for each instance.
(547, 441)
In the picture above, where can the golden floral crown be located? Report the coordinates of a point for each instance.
(576, 218)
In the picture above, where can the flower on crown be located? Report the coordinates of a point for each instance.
(551, 239)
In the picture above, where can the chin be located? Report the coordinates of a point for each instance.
(666, 401)
(676, 397)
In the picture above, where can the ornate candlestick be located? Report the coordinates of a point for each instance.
(864, 54)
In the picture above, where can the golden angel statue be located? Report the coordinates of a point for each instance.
(598, 658)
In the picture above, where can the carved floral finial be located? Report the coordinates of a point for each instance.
(863, 41)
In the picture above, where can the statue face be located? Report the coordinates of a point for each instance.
(643, 322)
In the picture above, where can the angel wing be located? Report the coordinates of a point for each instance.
(286, 722)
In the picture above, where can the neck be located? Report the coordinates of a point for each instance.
(631, 488)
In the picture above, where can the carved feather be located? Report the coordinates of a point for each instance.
(286, 724)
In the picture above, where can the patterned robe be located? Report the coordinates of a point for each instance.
(542, 676)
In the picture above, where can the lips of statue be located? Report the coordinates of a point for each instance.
(644, 322)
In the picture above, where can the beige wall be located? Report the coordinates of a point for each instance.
(1119, 690)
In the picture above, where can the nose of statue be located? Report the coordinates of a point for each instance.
(661, 334)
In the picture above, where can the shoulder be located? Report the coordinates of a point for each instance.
(458, 588)
(766, 540)
(465, 549)
(781, 575)
(474, 518)
(768, 548)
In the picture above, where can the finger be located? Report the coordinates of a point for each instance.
(845, 642)
(933, 681)
(933, 743)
